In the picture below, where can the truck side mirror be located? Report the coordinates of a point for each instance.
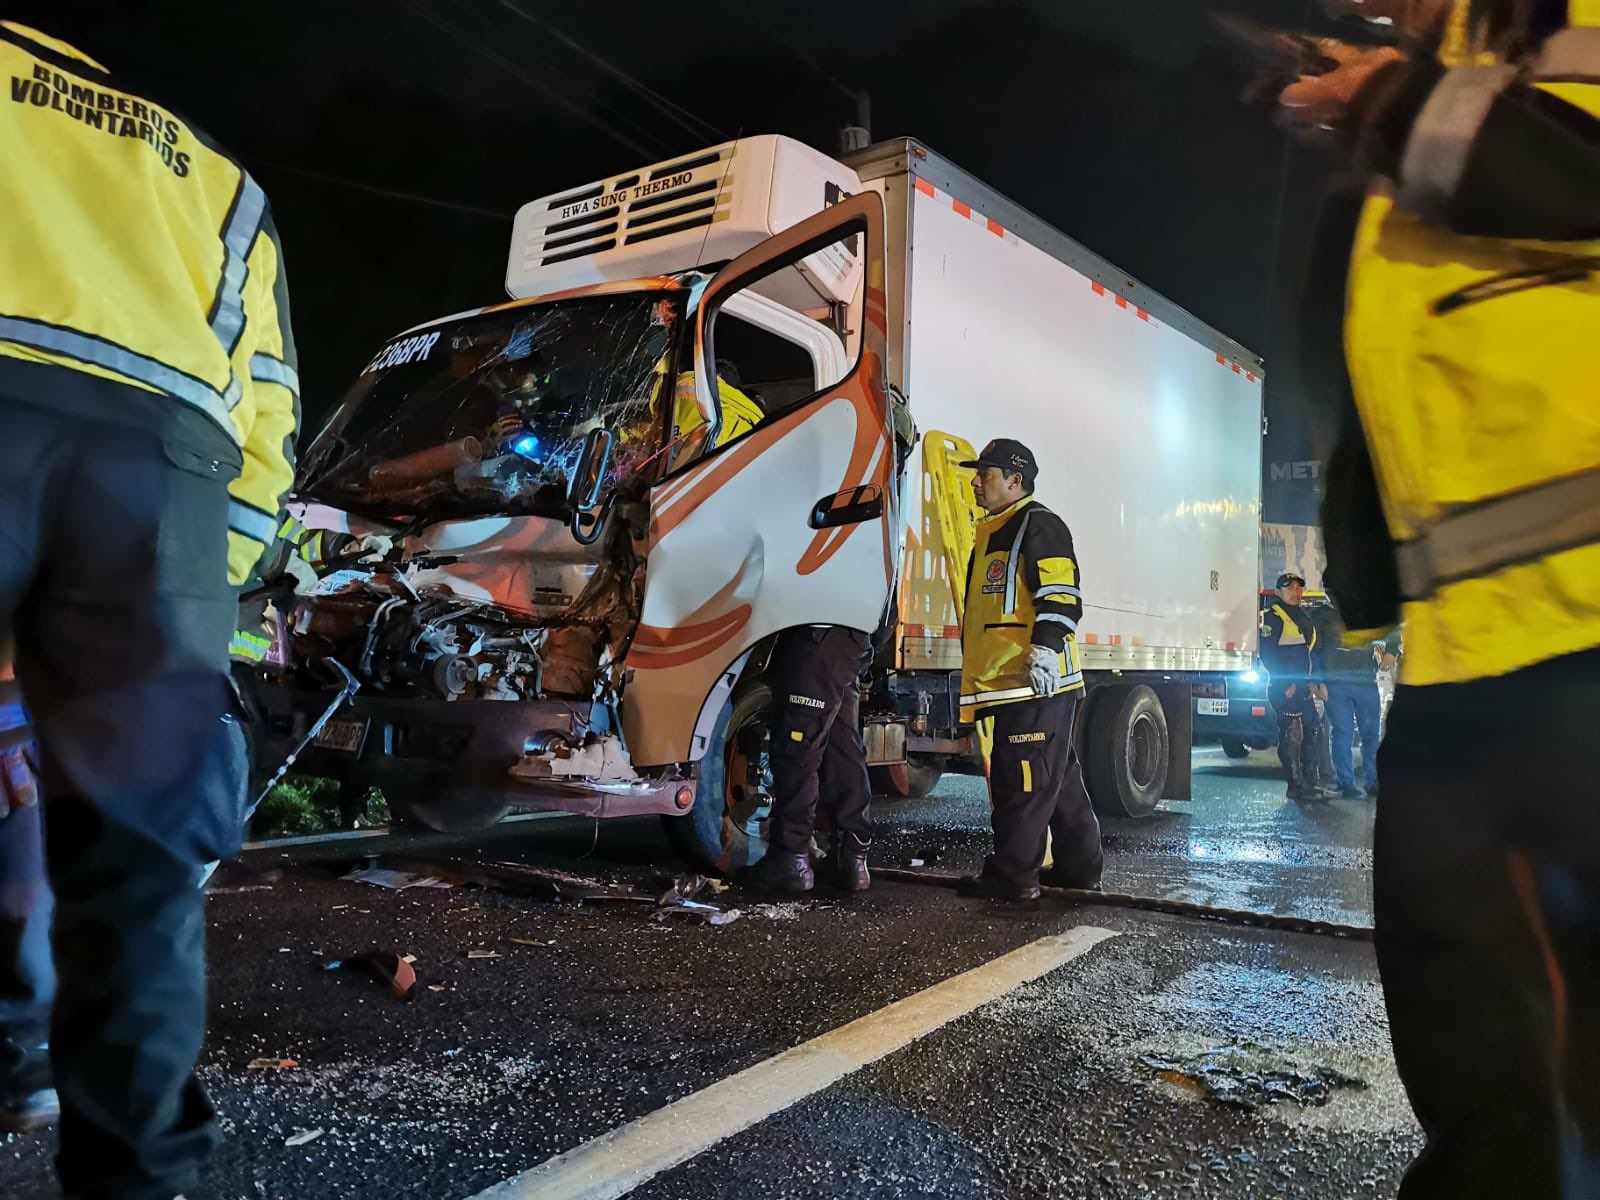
(583, 493)
(584, 490)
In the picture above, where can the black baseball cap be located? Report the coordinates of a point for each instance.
(1010, 456)
(1289, 577)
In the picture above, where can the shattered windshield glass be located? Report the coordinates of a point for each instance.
(490, 414)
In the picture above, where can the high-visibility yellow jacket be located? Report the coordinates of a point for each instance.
(135, 251)
(315, 547)
(1472, 360)
(1023, 591)
(740, 414)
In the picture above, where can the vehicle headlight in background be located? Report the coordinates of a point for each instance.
(1251, 676)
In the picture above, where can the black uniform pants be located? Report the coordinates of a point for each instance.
(113, 579)
(1487, 906)
(818, 758)
(1036, 784)
(1300, 731)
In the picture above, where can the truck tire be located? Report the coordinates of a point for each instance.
(466, 810)
(724, 832)
(910, 780)
(1128, 751)
(1236, 749)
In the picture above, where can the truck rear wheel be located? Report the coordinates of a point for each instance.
(910, 780)
(725, 831)
(1128, 746)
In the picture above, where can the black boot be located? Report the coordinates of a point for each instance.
(986, 887)
(1060, 877)
(782, 874)
(27, 1100)
(1291, 740)
(848, 866)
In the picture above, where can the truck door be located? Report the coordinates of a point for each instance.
(790, 523)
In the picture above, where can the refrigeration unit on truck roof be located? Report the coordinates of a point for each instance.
(706, 207)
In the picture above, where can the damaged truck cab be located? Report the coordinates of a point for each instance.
(690, 429)
(603, 497)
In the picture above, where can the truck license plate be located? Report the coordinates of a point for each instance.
(1211, 708)
(342, 735)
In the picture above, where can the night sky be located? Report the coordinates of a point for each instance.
(395, 138)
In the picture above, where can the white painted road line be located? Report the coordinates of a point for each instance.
(615, 1163)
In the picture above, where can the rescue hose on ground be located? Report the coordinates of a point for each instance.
(1177, 908)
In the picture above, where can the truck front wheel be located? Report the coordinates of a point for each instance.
(1128, 749)
(725, 831)
(462, 810)
(909, 780)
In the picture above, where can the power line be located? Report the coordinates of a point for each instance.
(683, 117)
(553, 69)
(361, 185)
(422, 10)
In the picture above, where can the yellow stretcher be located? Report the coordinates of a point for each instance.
(950, 489)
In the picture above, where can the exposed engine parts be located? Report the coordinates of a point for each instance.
(406, 631)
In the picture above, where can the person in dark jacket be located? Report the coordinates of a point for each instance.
(1289, 653)
(1350, 673)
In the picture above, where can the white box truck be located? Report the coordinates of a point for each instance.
(724, 400)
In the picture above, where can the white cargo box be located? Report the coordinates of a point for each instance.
(707, 207)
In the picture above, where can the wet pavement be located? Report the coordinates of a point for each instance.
(1239, 843)
(1175, 1058)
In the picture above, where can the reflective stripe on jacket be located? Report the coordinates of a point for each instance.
(1288, 644)
(1472, 360)
(1023, 590)
(135, 250)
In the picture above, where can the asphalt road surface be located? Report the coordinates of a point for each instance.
(902, 1043)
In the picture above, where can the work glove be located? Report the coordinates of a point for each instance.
(1044, 671)
(19, 767)
(374, 547)
(303, 573)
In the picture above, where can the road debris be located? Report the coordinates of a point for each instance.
(384, 965)
(271, 1064)
(397, 881)
(789, 910)
(708, 914)
(483, 954)
(687, 887)
(519, 879)
(678, 896)
(529, 942)
(304, 1136)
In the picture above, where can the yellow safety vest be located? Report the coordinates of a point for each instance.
(1001, 610)
(135, 250)
(740, 414)
(1490, 398)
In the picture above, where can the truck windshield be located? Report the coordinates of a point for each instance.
(489, 414)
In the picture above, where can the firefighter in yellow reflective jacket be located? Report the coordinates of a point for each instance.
(1021, 678)
(740, 414)
(148, 399)
(302, 553)
(1464, 496)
